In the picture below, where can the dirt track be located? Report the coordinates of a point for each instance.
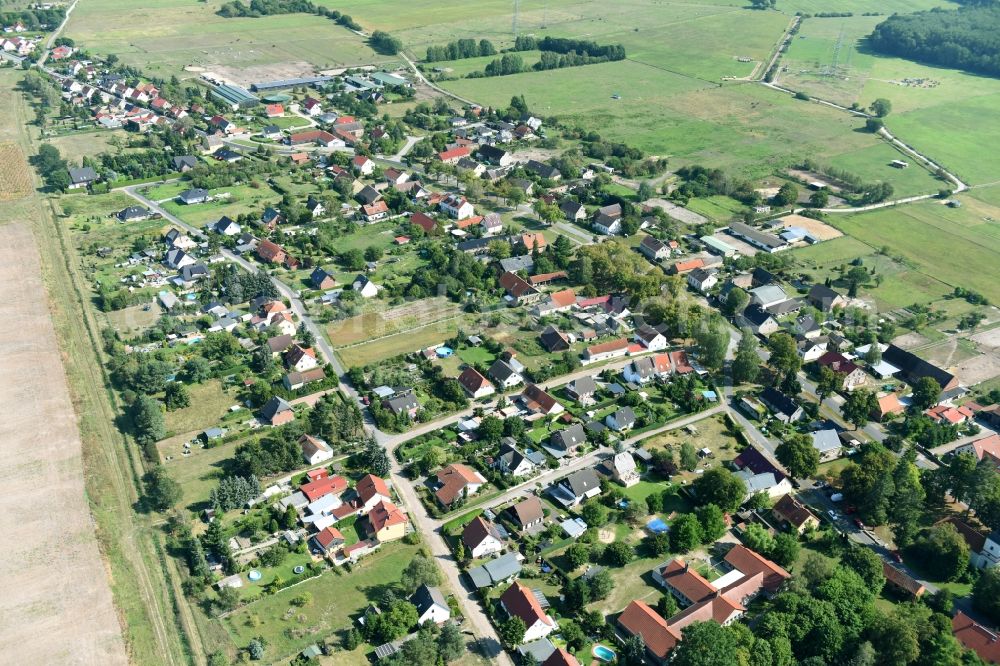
(56, 605)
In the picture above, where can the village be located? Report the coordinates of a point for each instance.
(477, 384)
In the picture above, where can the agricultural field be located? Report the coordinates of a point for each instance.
(74, 147)
(15, 181)
(162, 37)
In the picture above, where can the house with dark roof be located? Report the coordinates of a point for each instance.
(527, 513)
(582, 389)
(852, 374)
(542, 170)
(475, 384)
(402, 403)
(537, 401)
(621, 419)
(794, 514)
(133, 214)
(431, 605)
(576, 487)
(81, 177)
(758, 320)
(522, 602)
(554, 340)
(511, 461)
(912, 368)
(504, 568)
(277, 411)
(824, 298)
(573, 210)
(782, 407)
(566, 440)
(654, 249)
(482, 538)
(503, 375)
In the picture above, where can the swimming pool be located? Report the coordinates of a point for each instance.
(604, 653)
(444, 352)
(254, 575)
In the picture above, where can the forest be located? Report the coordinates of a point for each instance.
(965, 38)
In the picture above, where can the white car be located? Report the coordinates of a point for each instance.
(833, 514)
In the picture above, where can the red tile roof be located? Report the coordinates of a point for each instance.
(638, 619)
(370, 486)
(719, 609)
(742, 558)
(544, 278)
(423, 221)
(537, 399)
(976, 637)
(689, 265)
(454, 154)
(385, 514)
(454, 479)
(316, 489)
(605, 347)
(564, 298)
(521, 602)
(561, 658)
(328, 537)
(680, 576)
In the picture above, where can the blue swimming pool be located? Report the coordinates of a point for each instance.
(444, 352)
(254, 575)
(604, 653)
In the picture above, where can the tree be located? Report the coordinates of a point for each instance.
(451, 645)
(619, 553)
(162, 492)
(874, 125)
(896, 639)
(685, 533)
(819, 198)
(196, 370)
(944, 549)
(176, 396)
(706, 644)
(392, 623)
(512, 631)
(785, 549)
(829, 382)
(713, 340)
(859, 406)
(577, 555)
(798, 455)
(736, 301)
(712, 522)
(785, 357)
(746, 364)
(787, 195)
(147, 418)
(689, 456)
(601, 584)
(864, 562)
(633, 652)
(256, 648)
(375, 459)
(594, 514)
(881, 107)
(721, 487)
(907, 501)
(420, 571)
(758, 539)
(986, 593)
(926, 393)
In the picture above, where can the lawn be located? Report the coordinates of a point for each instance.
(285, 570)
(708, 433)
(164, 36)
(241, 199)
(209, 403)
(379, 322)
(337, 599)
(200, 471)
(402, 343)
(74, 147)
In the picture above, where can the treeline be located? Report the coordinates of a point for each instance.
(385, 43)
(212, 177)
(52, 168)
(865, 192)
(564, 45)
(460, 49)
(258, 8)
(963, 39)
(141, 164)
(34, 19)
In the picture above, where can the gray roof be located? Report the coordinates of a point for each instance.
(826, 440)
(624, 417)
(583, 386)
(537, 651)
(82, 175)
(496, 570)
(515, 264)
(581, 481)
(569, 437)
(427, 596)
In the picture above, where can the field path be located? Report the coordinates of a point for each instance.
(57, 605)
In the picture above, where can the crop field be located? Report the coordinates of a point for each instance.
(15, 179)
(164, 36)
(958, 247)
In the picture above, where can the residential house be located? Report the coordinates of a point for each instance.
(650, 338)
(810, 349)
(624, 470)
(328, 539)
(827, 443)
(300, 358)
(902, 581)
(424, 222)
(365, 287)
(81, 177)
(825, 299)
(582, 390)
(686, 266)
(457, 481)
(503, 375)
(559, 301)
(782, 407)
(949, 415)
(320, 279)
(511, 461)
(528, 513)
(271, 252)
(853, 376)
(621, 419)
(795, 514)
(537, 401)
(177, 258)
(654, 249)
(888, 405)
(768, 296)
(607, 350)
(375, 212)
(492, 224)
(566, 440)
(523, 602)
(457, 207)
(577, 487)
(226, 226)
(573, 210)
(386, 522)
(293, 381)
(475, 384)
(402, 404)
(133, 214)
(530, 242)
(542, 170)
(277, 411)
(640, 370)
(758, 320)
(985, 449)
(362, 165)
(494, 155)
(371, 490)
(431, 605)
(559, 657)
(502, 569)
(482, 538)
(702, 280)
(454, 155)
(314, 449)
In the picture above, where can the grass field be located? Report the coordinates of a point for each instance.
(75, 146)
(336, 600)
(958, 247)
(209, 402)
(402, 343)
(164, 36)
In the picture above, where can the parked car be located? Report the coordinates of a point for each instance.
(861, 525)
(833, 514)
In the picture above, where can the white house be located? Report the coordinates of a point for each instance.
(504, 375)
(457, 206)
(521, 601)
(365, 287)
(363, 165)
(431, 605)
(701, 280)
(622, 419)
(650, 338)
(314, 449)
(625, 472)
(301, 358)
(481, 538)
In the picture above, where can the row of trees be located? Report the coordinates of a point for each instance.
(258, 8)
(459, 49)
